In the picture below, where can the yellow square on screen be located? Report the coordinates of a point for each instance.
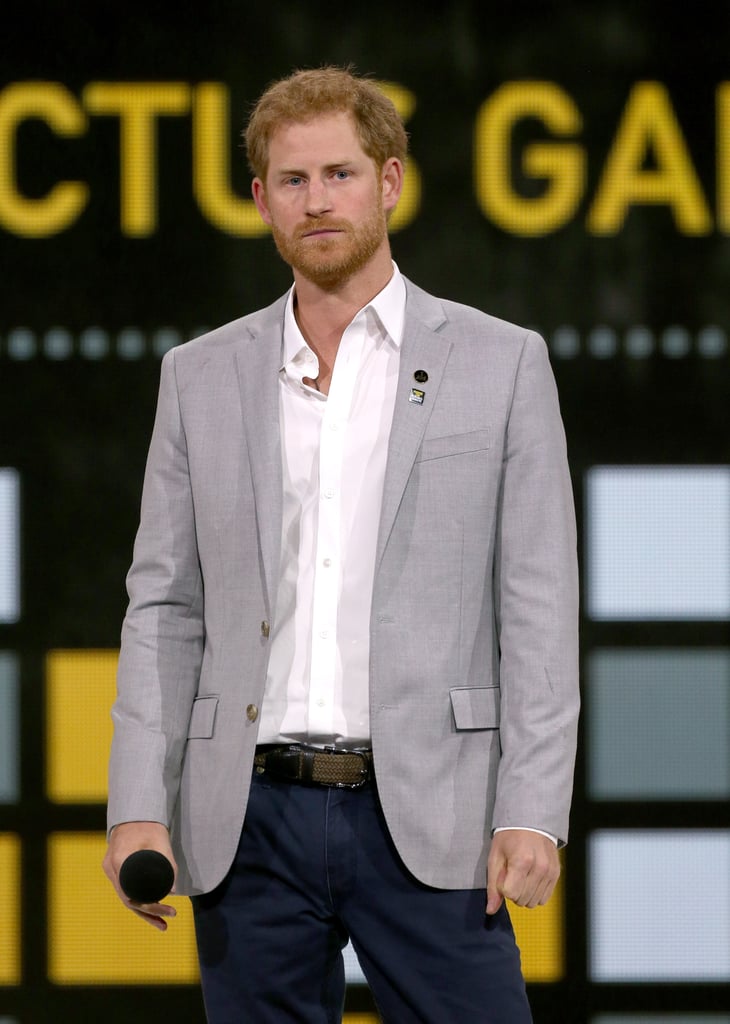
(9, 909)
(93, 939)
(80, 690)
(539, 934)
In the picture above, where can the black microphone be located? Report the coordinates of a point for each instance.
(146, 876)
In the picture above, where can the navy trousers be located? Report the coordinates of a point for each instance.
(316, 866)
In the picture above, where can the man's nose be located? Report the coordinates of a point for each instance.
(319, 200)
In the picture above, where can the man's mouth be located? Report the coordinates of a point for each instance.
(322, 229)
(319, 232)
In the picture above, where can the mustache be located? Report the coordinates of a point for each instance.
(321, 224)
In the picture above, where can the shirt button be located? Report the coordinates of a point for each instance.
(324, 633)
(252, 712)
(264, 628)
(330, 492)
(326, 562)
(320, 703)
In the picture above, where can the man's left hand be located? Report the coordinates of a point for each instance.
(523, 866)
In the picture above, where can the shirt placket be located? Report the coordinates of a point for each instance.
(329, 538)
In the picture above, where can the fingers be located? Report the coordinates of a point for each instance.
(524, 868)
(125, 839)
(154, 914)
(494, 901)
(529, 882)
(496, 872)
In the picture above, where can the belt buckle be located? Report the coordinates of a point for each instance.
(278, 759)
(364, 771)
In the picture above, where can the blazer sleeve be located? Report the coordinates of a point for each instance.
(536, 602)
(162, 634)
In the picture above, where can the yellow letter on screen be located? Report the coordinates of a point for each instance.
(138, 104)
(723, 157)
(560, 164)
(53, 103)
(649, 126)
(409, 203)
(212, 166)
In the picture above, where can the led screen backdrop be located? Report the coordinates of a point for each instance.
(570, 170)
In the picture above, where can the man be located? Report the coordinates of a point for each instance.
(348, 684)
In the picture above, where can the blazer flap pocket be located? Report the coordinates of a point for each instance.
(202, 718)
(475, 707)
(453, 444)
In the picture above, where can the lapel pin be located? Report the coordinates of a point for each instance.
(421, 376)
(417, 396)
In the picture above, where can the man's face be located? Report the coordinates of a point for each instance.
(325, 200)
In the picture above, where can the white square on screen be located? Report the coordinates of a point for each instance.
(658, 542)
(9, 545)
(659, 905)
(353, 970)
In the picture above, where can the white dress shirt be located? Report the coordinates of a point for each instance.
(334, 452)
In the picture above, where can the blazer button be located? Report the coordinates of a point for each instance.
(252, 712)
(264, 628)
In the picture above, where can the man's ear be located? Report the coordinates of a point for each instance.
(259, 197)
(392, 182)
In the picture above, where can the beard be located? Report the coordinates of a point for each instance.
(330, 261)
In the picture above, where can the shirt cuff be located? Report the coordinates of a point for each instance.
(525, 828)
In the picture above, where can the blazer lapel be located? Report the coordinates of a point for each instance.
(423, 350)
(258, 359)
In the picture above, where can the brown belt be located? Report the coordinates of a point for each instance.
(347, 769)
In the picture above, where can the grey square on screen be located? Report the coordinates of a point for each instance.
(9, 727)
(658, 724)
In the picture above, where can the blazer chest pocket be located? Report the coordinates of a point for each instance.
(475, 707)
(202, 718)
(453, 444)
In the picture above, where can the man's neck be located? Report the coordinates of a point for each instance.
(323, 314)
(328, 310)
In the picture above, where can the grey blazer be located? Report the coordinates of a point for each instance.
(474, 677)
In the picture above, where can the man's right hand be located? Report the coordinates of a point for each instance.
(127, 838)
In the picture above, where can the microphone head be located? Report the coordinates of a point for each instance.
(146, 876)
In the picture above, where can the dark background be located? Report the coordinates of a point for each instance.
(77, 428)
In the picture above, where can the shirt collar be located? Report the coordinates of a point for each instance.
(389, 306)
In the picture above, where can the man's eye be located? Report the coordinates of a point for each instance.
(342, 175)
(295, 180)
